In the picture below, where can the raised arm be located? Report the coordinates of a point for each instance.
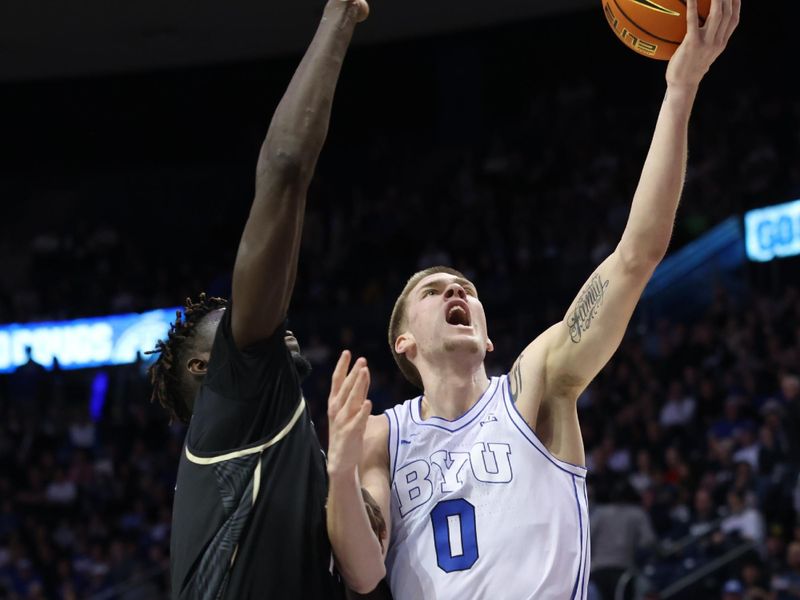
(557, 366)
(357, 460)
(266, 263)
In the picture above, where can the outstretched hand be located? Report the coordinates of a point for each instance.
(348, 411)
(360, 5)
(702, 44)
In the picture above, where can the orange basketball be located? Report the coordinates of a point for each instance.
(653, 28)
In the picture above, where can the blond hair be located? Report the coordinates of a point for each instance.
(397, 322)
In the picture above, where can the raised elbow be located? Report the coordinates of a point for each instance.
(282, 162)
(641, 258)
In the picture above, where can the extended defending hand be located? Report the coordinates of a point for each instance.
(348, 411)
(360, 5)
(702, 45)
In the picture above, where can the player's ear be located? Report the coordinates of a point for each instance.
(405, 344)
(197, 365)
(489, 345)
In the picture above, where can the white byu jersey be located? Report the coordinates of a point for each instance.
(481, 509)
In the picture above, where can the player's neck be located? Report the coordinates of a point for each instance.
(451, 391)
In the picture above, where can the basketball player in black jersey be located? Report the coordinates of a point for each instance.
(249, 509)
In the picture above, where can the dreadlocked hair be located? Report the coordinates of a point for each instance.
(165, 374)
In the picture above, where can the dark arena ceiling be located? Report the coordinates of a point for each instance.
(42, 39)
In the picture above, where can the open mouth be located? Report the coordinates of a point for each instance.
(458, 315)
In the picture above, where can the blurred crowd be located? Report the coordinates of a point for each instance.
(691, 432)
(693, 452)
(85, 494)
(527, 208)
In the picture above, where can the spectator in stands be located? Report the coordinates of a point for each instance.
(731, 422)
(754, 582)
(747, 445)
(676, 470)
(705, 517)
(645, 475)
(787, 582)
(775, 550)
(742, 520)
(744, 482)
(789, 401)
(27, 386)
(732, 590)
(774, 445)
(619, 528)
(790, 389)
(679, 409)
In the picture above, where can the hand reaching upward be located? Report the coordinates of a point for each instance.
(702, 44)
(348, 411)
(357, 522)
(361, 5)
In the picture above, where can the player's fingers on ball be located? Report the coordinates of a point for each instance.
(723, 33)
(726, 10)
(692, 18)
(734, 22)
(715, 17)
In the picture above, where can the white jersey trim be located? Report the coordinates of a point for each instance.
(529, 434)
(577, 588)
(393, 440)
(200, 460)
(587, 548)
(464, 420)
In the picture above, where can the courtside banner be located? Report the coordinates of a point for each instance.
(84, 343)
(773, 232)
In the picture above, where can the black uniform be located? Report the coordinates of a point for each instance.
(248, 520)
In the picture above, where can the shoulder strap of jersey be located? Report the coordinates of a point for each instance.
(393, 439)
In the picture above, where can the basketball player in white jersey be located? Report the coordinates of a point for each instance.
(483, 478)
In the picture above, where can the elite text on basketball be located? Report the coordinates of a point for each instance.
(638, 44)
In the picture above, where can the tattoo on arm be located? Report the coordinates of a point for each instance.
(515, 380)
(586, 307)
